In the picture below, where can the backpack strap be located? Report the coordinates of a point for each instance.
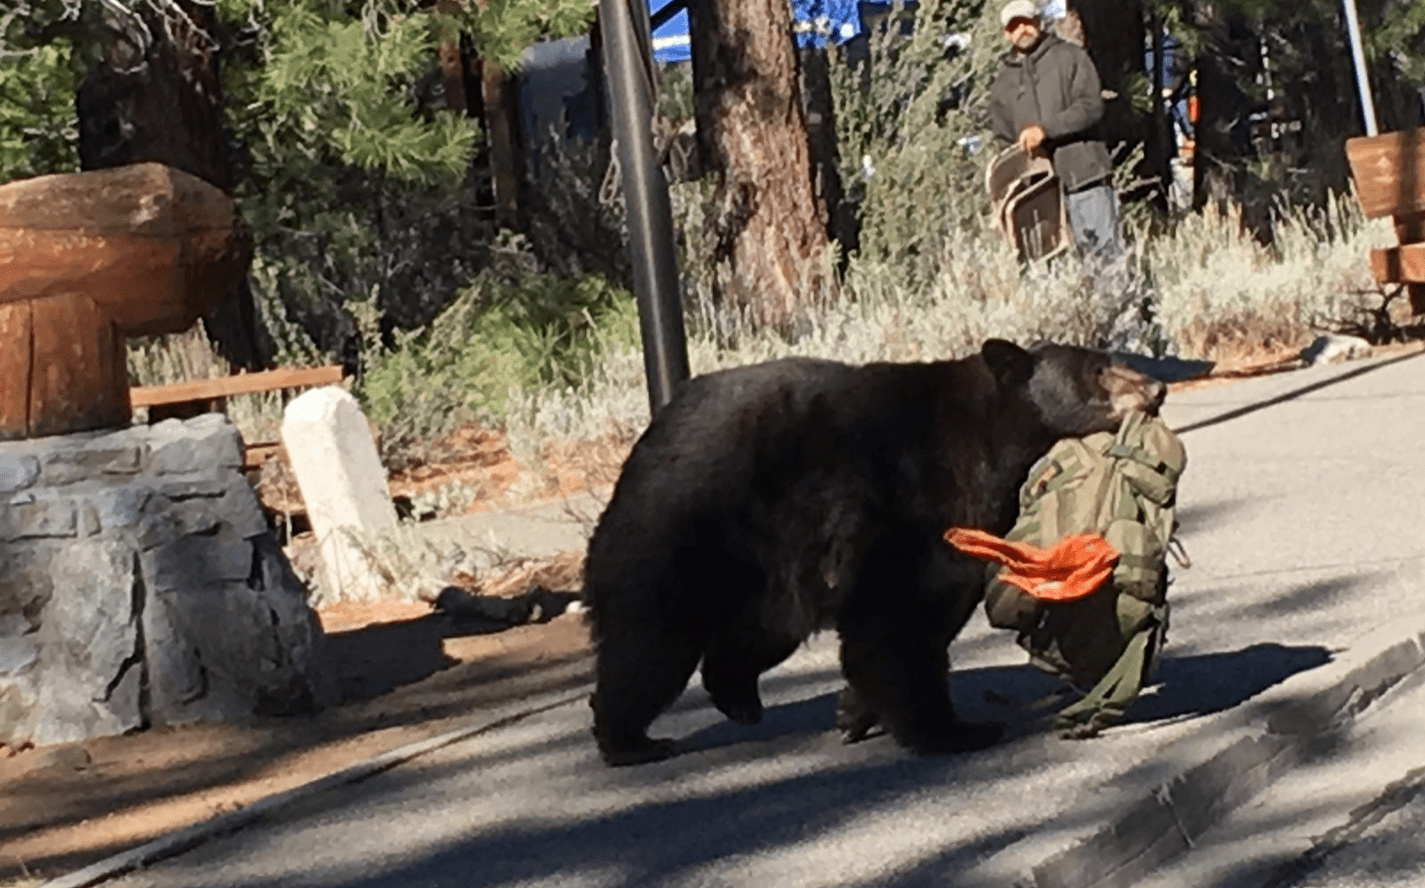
(1106, 701)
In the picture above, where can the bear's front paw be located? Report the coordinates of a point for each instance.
(744, 712)
(638, 753)
(853, 719)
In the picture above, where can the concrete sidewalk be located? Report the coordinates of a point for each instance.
(1301, 509)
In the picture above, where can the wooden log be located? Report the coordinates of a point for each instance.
(1389, 171)
(241, 384)
(1399, 265)
(254, 455)
(79, 380)
(155, 246)
(16, 349)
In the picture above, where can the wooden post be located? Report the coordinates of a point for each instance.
(452, 68)
(499, 111)
(16, 351)
(78, 377)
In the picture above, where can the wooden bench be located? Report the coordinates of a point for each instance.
(1389, 172)
(185, 399)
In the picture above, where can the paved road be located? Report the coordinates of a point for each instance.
(1352, 815)
(1303, 520)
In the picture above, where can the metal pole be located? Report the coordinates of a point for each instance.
(1368, 107)
(627, 68)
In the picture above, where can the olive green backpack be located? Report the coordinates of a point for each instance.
(1122, 486)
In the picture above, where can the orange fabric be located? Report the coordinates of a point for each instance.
(1070, 569)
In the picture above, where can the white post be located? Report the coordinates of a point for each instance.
(343, 486)
(1368, 107)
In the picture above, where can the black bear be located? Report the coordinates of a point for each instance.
(767, 502)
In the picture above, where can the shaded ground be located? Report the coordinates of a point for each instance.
(406, 673)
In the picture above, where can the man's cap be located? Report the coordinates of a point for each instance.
(1018, 9)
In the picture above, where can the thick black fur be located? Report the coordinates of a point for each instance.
(767, 502)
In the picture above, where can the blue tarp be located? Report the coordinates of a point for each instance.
(814, 22)
(670, 41)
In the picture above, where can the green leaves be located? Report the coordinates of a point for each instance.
(333, 80)
(503, 28)
(39, 128)
(1401, 36)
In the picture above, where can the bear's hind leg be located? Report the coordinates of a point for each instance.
(735, 658)
(638, 674)
(903, 683)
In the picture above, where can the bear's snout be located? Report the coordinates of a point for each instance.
(1128, 390)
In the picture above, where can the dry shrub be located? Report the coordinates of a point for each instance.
(1249, 336)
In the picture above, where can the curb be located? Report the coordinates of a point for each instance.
(1160, 809)
(191, 836)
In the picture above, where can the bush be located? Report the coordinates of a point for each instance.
(497, 338)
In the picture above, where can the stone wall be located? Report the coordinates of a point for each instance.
(140, 585)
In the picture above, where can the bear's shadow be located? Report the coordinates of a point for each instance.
(1185, 686)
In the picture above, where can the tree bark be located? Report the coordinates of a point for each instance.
(153, 94)
(752, 132)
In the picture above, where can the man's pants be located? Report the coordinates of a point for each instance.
(1093, 217)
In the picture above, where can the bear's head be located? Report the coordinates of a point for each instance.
(1075, 391)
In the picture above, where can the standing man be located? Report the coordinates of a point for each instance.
(1047, 100)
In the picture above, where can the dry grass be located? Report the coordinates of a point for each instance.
(188, 356)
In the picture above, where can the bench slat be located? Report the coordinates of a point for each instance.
(1399, 265)
(227, 386)
(1389, 171)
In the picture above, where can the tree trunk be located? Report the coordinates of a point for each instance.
(752, 131)
(152, 93)
(1113, 36)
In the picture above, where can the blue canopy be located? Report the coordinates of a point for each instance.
(814, 23)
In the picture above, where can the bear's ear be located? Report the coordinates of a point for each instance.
(1011, 365)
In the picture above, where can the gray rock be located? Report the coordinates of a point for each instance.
(17, 707)
(39, 518)
(72, 465)
(17, 472)
(1334, 348)
(230, 654)
(242, 510)
(176, 674)
(192, 563)
(26, 583)
(199, 445)
(90, 621)
(180, 487)
(156, 530)
(135, 593)
(120, 506)
(89, 523)
(17, 653)
(195, 516)
(87, 642)
(64, 713)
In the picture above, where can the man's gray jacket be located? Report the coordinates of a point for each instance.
(1057, 87)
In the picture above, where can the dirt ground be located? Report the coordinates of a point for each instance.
(407, 673)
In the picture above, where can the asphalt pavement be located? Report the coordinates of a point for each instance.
(1299, 621)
